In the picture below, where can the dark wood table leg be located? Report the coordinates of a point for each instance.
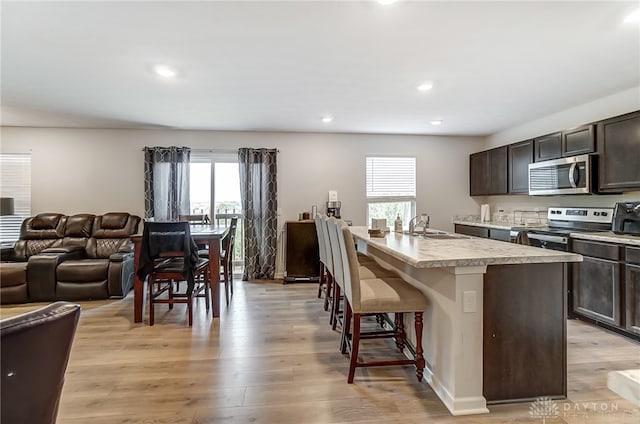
(138, 292)
(214, 267)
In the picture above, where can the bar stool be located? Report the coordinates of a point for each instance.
(322, 252)
(370, 269)
(377, 296)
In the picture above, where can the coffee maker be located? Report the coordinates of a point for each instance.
(333, 208)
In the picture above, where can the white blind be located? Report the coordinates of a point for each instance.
(391, 177)
(15, 182)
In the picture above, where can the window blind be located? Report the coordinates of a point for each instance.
(391, 177)
(15, 182)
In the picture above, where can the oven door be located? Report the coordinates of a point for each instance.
(570, 175)
(547, 241)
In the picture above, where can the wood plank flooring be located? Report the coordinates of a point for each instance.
(272, 358)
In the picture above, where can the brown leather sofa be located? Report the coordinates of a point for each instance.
(75, 257)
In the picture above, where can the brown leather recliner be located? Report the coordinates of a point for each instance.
(35, 352)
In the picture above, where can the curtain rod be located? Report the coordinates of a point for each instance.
(217, 150)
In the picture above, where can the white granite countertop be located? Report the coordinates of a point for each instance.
(422, 252)
(609, 237)
(491, 224)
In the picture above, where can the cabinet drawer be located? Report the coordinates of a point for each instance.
(598, 250)
(472, 231)
(633, 255)
(503, 235)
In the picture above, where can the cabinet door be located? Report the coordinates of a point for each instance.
(619, 149)
(578, 141)
(479, 174)
(596, 290)
(520, 156)
(548, 147)
(632, 304)
(503, 235)
(498, 170)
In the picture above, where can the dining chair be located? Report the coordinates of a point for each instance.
(202, 219)
(168, 255)
(226, 257)
(384, 295)
(322, 253)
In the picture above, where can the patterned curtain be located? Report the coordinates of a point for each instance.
(166, 182)
(259, 195)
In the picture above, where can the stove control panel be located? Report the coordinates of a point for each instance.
(599, 215)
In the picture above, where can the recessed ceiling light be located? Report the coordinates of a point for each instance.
(327, 118)
(425, 86)
(436, 122)
(164, 71)
(386, 2)
(633, 17)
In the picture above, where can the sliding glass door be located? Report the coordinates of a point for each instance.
(214, 182)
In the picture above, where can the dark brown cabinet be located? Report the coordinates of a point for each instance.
(632, 292)
(520, 156)
(619, 149)
(302, 252)
(578, 141)
(488, 172)
(471, 230)
(596, 290)
(547, 147)
(606, 285)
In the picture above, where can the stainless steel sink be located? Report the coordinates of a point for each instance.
(444, 236)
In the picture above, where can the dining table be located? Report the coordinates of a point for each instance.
(210, 235)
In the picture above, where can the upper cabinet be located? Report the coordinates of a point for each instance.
(520, 156)
(576, 141)
(619, 150)
(488, 172)
(616, 141)
(548, 147)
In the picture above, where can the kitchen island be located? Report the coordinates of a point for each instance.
(495, 326)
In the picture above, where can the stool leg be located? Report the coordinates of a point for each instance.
(328, 289)
(335, 308)
(355, 344)
(400, 333)
(171, 292)
(320, 280)
(190, 309)
(207, 289)
(346, 327)
(420, 363)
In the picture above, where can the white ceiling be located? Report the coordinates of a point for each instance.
(280, 66)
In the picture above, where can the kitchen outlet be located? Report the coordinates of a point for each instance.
(469, 301)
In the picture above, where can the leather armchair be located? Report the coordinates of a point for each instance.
(35, 354)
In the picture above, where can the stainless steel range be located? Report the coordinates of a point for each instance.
(563, 221)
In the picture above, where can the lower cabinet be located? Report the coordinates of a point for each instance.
(606, 285)
(596, 290)
(471, 230)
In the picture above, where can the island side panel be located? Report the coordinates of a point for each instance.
(525, 332)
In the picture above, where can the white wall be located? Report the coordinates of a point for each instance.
(101, 170)
(613, 105)
(606, 107)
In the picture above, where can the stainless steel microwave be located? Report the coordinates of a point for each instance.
(572, 175)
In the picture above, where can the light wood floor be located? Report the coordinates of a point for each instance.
(272, 358)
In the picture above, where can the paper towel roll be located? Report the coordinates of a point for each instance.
(485, 213)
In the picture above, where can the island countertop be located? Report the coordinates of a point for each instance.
(423, 252)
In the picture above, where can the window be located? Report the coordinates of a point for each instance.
(15, 183)
(391, 188)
